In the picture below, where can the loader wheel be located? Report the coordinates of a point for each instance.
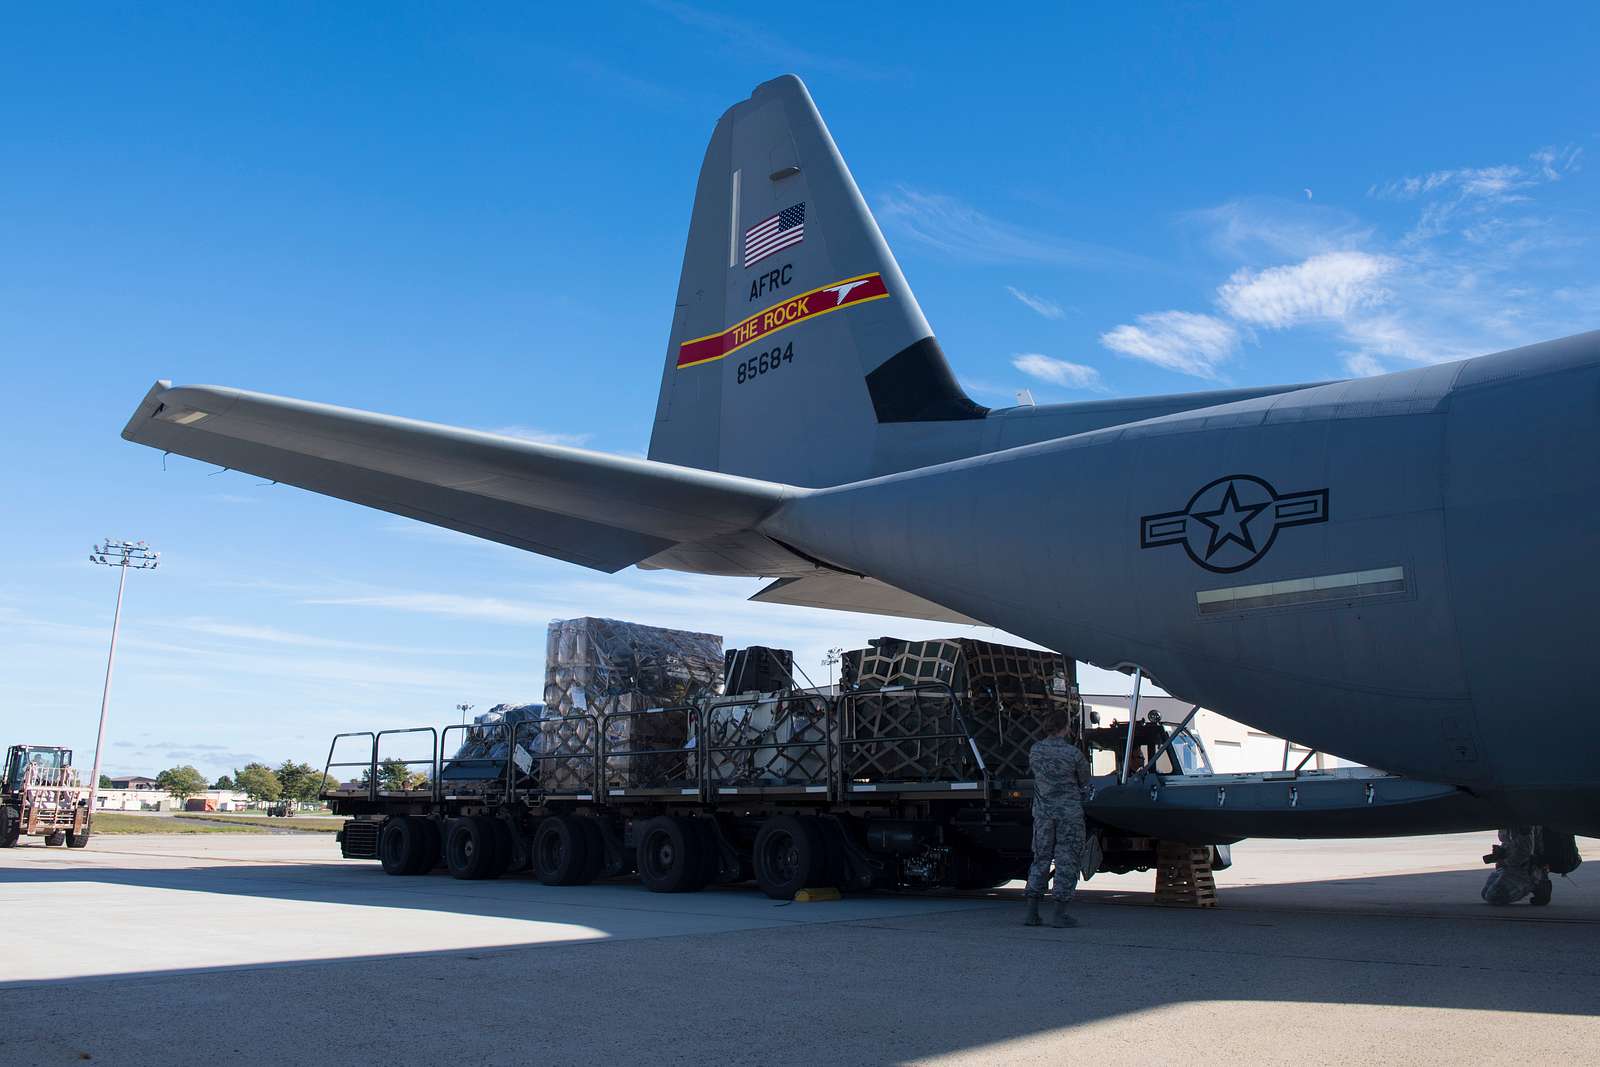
(402, 845)
(594, 845)
(561, 851)
(790, 854)
(672, 855)
(615, 863)
(985, 870)
(429, 846)
(469, 848)
(77, 840)
(505, 849)
(10, 827)
(57, 838)
(712, 842)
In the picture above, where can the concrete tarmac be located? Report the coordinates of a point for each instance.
(204, 949)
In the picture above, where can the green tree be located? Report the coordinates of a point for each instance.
(257, 782)
(313, 785)
(182, 782)
(223, 783)
(298, 779)
(105, 781)
(393, 775)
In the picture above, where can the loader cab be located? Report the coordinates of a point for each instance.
(1107, 744)
(18, 757)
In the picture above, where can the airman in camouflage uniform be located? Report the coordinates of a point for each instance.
(1060, 773)
(1517, 871)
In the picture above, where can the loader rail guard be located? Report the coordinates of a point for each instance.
(371, 765)
(432, 763)
(584, 760)
(789, 753)
(851, 740)
(453, 782)
(690, 783)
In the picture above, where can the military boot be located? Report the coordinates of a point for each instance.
(1061, 919)
(1032, 918)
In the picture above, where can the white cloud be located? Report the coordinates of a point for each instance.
(544, 437)
(1495, 181)
(1391, 336)
(1475, 191)
(1048, 308)
(1177, 340)
(1056, 371)
(958, 229)
(450, 605)
(1555, 162)
(1330, 286)
(1263, 230)
(1363, 365)
(250, 634)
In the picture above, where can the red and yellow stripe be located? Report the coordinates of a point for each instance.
(785, 313)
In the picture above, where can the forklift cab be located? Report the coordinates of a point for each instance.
(18, 757)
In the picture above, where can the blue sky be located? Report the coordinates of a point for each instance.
(477, 217)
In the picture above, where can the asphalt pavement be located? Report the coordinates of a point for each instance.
(203, 948)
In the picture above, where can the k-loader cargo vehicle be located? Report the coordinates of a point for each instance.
(875, 786)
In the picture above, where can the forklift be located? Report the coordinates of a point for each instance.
(41, 796)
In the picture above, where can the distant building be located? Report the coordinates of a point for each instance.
(133, 781)
(1232, 746)
(151, 798)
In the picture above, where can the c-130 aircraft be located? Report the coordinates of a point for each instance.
(1399, 569)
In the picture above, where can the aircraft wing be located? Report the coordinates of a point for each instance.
(602, 511)
(849, 592)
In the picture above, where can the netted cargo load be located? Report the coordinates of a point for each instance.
(1005, 693)
(481, 755)
(596, 668)
(772, 740)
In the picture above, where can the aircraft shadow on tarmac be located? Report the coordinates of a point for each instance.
(1410, 940)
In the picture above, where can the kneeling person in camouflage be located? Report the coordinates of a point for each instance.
(1060, 781)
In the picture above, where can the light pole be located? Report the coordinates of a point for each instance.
(829, 660)
(122, 555)
(463, 709)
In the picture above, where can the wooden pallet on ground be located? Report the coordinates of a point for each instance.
(1183, 876)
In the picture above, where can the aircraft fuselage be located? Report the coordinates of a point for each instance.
(1397, 569)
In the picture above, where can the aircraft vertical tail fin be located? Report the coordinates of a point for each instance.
(795, 334)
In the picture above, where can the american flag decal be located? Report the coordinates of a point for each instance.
(787, 227)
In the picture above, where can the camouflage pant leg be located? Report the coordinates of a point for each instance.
(1507, 886)
(1061, 841)
(1515, 876)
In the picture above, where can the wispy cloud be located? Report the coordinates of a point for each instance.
(1476, 268)
(1056, 371)
(1325, 287)
(1447, 194)
(1499, 182)
(1257, 229)
(960, 230)
(544, 437)
(631, 85)
(449, 605)
(1048, 308)
(759, 42)
(1177, 340)
(250, 634)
